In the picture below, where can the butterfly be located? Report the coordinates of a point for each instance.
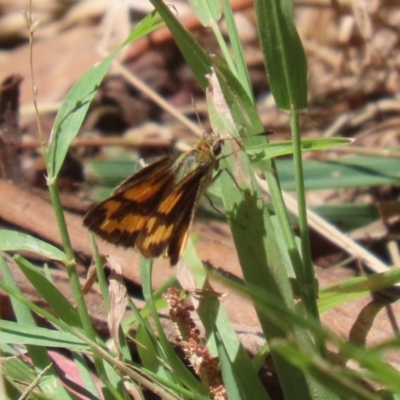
(153, 209)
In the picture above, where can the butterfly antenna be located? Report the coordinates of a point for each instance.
(197, 114)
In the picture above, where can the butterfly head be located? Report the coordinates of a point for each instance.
(211, 144)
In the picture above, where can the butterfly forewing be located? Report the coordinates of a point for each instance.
(120, 218)
(164, 231)
(153, 210)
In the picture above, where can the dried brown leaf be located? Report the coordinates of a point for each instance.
(118, 299)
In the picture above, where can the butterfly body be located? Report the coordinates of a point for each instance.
(153, 209)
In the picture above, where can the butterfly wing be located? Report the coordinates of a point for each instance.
(181, 233)
(120, 218)
(167, 229)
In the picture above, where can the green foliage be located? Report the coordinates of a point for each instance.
(283, 53)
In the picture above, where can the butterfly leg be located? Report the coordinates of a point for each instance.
(218, 211)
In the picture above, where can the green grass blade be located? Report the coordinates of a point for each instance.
(16, 241)
(148, 352)
(371, 360)
(100, 273)
(348, 216)
(59, 304)
(19, 333)
(284, 55)
(216, 322)
(336, 382)
(286, 67)
(207, 11)
(14, 293)
(49, 383)
(354, 288)
(72, 113)
(231, 382)
(76, 104)
(194, 55)
(261, 258)
(17, 370)
(347, 172)
(85, 373)
(265, 151)
(373, 366)
(238, 372)
(148, 24)
(237, 48)
(180, 372)
(244, 116)
(56, 300)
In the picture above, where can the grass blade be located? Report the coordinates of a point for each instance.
(16, 241)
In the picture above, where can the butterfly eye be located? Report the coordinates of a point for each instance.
(217, 148)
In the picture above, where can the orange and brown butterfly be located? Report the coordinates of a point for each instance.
(153, 209)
